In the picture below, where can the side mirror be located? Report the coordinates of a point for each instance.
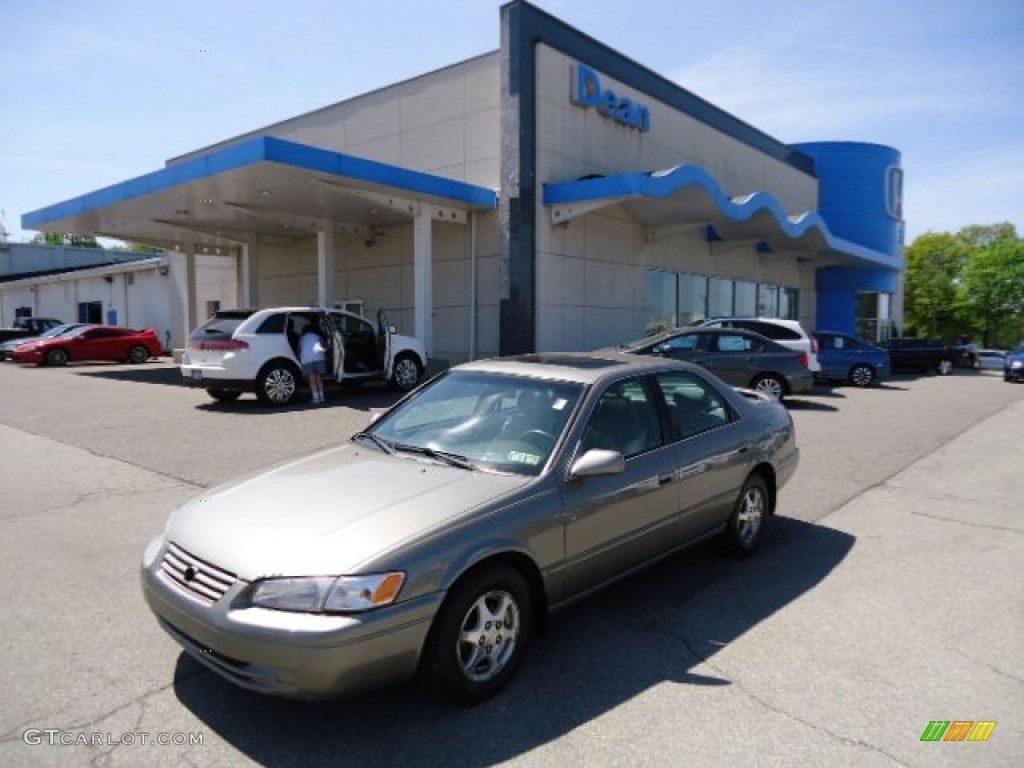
(597, 462)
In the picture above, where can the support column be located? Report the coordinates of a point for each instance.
(191, 312)
(243, 273)
(325, 264)
(423, 280)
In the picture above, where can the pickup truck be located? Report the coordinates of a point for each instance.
(28, 326)
(927, 355)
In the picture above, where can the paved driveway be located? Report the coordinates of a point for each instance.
(887, 596)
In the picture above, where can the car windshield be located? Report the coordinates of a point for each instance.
(478, 420)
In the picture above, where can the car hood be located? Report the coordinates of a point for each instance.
(328, 512)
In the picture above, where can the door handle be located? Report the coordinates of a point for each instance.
(665, 480)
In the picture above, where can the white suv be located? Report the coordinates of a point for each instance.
(248, 350)
(788, 333)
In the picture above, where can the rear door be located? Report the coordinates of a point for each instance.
(384, 353)
(713, 450)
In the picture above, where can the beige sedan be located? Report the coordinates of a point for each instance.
(438, 540)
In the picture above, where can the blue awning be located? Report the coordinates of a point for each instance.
(688, 194)
(262, 185)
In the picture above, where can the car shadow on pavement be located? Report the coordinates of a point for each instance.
(363, 399)
(655, 628)
(140, 374)
(798, 404)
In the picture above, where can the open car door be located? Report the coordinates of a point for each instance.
(331, 331)
(385, 360)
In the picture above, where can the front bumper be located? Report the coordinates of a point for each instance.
(295, 655)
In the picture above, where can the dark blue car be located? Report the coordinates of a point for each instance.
(849, 359)
(1013, 368)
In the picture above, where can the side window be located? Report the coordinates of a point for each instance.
(728, 342)
(686, 343)
(272, 324)
(694, 406)
(625, 419)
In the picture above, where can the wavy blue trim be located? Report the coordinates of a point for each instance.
(265, 149)
(665, 183)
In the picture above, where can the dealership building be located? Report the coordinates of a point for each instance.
(551, 195)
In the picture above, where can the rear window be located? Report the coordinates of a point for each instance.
(220, 326)
(771, 330)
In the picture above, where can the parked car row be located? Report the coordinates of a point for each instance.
(80, 342)
(751, 352)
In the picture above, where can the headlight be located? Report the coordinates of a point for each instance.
(327, 594)
(1017, 364)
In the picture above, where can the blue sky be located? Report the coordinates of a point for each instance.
(99, 91)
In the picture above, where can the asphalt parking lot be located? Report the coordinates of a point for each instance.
(886, 596)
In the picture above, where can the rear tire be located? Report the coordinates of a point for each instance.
(138, 354)
(277, 384)
(769, 384)
(749, 514)
(479, 637)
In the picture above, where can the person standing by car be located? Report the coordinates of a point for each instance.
(312, 355)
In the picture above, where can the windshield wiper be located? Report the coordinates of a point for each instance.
(451, 459)
(380, 442)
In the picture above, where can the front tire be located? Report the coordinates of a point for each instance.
(479, 637)
(769, 384)
(944, 367)
(862, 375)
(138, 354)
(57, 356)
(277, 384)
(406, 373)
(746, 524)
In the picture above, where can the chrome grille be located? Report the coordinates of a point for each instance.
(195, 576)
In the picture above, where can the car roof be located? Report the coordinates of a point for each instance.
(580, 367)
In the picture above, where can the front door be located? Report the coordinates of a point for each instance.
(616, 522)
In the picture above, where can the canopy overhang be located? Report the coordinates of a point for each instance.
(688, 197)
(265, 188)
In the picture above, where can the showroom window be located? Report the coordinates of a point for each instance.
(789, 304)
(693, 298)
(719, 297)
(661, 301)
(745, 299)
(767, 300)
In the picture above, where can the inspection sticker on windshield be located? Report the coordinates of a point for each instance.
(524, 458)
(559, 404)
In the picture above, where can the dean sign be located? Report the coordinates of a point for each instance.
(587, 91)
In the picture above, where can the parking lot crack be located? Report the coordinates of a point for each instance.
(654, 628)
(16, 733)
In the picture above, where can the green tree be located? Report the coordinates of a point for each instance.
(990, 296)
(934, 263)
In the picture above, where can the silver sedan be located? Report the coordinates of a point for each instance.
(437, 541)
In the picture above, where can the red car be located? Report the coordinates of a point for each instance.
(92, 342)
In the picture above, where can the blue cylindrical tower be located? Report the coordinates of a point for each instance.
(860, 197)
(860, 192)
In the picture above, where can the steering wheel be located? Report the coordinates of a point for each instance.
(538, 438)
